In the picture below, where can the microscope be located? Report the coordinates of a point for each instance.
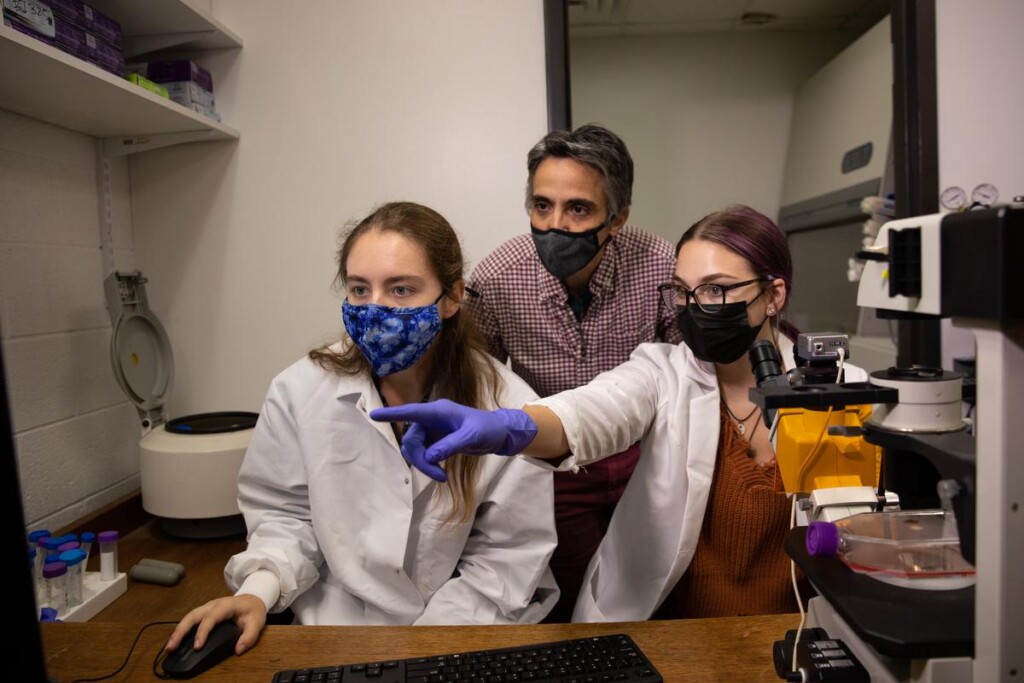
(900, 441)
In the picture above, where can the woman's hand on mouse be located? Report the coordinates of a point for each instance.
(248, 611)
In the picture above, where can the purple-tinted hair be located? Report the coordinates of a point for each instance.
(755, 237)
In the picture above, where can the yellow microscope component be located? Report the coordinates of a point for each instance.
(810, 458)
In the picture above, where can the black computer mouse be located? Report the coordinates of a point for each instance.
(186, 661)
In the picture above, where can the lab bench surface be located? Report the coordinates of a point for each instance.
(731, 649)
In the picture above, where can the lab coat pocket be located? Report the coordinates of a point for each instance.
(438, 549)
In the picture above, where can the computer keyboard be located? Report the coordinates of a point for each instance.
(579, 660)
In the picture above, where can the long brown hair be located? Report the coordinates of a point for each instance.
(459, 366)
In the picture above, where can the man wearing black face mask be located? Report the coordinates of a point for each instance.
(571, 300)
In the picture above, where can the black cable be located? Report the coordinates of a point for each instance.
(129, 655)
(156, 659)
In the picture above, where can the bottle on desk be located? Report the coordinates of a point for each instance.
(87, 538)
(108, 555)
(55, 577)
(75, 561)
(36, 569)
(34, 539)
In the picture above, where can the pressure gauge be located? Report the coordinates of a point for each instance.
(954, 198)
(985, 194)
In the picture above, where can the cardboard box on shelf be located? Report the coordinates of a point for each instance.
(20, 27)
(104, 55)
(208, 112)
(69, 37)
(57, 31)
(102, 26)
(149, 85)
(72, 10)
(179, 70)
(31, 17)
(189, 92)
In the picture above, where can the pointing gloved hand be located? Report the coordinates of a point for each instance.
(440, 429)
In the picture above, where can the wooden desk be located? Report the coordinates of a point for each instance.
(728, 650)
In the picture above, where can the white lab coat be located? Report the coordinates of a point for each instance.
(668, 400)
(344, 532)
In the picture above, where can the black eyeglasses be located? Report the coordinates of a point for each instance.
(710, 297)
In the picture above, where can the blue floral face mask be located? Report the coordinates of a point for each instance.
(391, 338)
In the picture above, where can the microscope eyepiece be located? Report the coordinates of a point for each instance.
(766, 365)
(764, 361)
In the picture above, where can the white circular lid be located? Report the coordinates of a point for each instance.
(140, 354)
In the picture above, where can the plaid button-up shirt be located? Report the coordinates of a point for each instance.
(524, 313)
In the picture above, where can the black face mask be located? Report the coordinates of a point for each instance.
(720, 337)
(564, 253)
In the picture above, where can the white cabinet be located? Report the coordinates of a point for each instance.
(44, 83)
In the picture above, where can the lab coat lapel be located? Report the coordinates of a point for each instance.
(367, 400)
(701, 452)
(702, 439)
(379, 577)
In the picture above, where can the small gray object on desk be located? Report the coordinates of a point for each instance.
(173, 566)
(147, 571)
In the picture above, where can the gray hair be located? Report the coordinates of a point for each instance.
(597, 147)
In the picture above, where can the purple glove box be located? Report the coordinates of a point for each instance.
(179, 70)
(72, 10)
(102, 26)
(67, 37)
(70, 38)
(104, 55)
(22, 28)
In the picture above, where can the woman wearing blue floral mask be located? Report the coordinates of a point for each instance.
(340, 529)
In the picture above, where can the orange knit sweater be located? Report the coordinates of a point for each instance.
(739, 567)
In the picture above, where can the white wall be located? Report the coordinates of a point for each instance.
(75, 434)
(340, 106)
(706, 117)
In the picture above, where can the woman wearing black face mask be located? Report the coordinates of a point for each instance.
(699, 532)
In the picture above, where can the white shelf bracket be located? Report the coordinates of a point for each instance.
(121, 146)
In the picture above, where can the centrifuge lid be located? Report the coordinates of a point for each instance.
(143, 364)
(212, 423)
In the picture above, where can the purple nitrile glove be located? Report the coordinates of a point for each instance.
(414, 448)
(440, 429)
